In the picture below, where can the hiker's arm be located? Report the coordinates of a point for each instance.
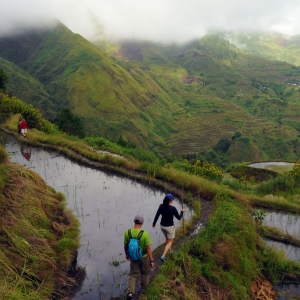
(156, 217)
(177, 215)
(149, 252)
(126, 253)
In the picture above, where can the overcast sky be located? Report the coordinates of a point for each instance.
(158, 20)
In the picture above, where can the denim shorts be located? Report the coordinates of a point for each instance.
(169, 231)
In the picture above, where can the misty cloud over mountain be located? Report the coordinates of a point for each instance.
(167, 20)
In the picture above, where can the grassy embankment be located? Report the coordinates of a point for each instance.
(225, 257)
(38, 236)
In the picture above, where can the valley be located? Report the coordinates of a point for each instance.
(172, 99)
(126, 102)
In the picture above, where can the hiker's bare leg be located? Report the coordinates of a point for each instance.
(169, 243)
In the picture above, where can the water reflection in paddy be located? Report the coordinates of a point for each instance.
(290, 251)
(287, 291)
(105, 205)
(288, 223)
(276, 166)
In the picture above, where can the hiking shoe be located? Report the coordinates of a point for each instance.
(163, 259)
(129, 296)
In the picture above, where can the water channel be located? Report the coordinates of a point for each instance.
(105, 205)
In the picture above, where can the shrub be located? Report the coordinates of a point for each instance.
(33, 116)
(277, 185)
(3, 80)
(70, 123)
(3, 154)
(200, 168)
(295, 174)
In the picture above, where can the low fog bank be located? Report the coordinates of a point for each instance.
(158, 21)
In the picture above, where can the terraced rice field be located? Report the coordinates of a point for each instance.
(206, 127)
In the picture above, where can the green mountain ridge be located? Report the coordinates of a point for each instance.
(80, 76)
(219, 97)
(172, 99)
(28, 88)
(271, 45)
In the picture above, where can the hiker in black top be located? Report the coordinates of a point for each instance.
(167, 212)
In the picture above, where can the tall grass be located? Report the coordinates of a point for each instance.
(34, 225)
(280, 184)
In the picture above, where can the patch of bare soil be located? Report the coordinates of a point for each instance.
(210, 292)
(262, 289)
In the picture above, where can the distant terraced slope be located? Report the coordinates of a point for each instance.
(202, 131)
(218, 97)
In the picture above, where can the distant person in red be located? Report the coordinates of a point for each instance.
(23, 127)
(26, 152)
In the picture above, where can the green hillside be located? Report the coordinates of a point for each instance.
(271, 45)
(26, 87)
(172, 99)
(220, 91)
(80, 76)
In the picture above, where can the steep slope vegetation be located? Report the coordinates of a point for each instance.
(39, 237)
(271, 45)
(26, 87)
(221, 91)
(78, 75)
(172, 99)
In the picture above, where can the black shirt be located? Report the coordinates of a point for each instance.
(167, 214)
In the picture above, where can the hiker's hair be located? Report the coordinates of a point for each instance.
(166, 201)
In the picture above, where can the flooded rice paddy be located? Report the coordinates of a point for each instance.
(290, 251)
(286, 222)
(105, 205)
(290, 224)
(279, 166)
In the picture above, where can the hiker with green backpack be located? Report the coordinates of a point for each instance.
(137, 249)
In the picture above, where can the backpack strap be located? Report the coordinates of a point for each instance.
(129, 234)
(140, 235)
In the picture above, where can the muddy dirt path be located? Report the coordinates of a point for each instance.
(206, 209)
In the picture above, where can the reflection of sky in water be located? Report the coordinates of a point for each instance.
(286, 222)
(287, 291)
(105, 205)
(290, 251)
(263, 165)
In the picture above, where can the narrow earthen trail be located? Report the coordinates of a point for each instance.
(206, 209)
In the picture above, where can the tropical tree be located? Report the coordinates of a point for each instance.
(3, 80)
(70, 123)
